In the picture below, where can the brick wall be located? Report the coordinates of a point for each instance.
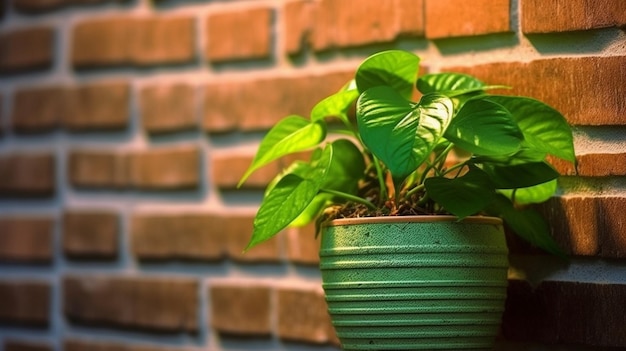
(125, 126)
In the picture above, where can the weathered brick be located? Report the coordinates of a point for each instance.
(90, 234)
(166, 168)
(588, 225)
(88, 345)
(227, 170)
(177, 236)
(457, 18)
(27, 174)
(19, 345)
(566, 312)
(593, 165)
(297, 24)
(26, 239)
(249, 35)
(238, 230)
(168, 108)
(240, 308)
(97, 106)
(273, 99)
(162, 40)
(554, 16)
(25, 302)
(102, 42)
(98, 168)
(26, 49)
(302, 245)
(410, 17)
(311, 323)
(159, 304)
(38, 6)
(38, 109)
(595, 100)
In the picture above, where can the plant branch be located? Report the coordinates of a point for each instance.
(350, 197)
(381, 179)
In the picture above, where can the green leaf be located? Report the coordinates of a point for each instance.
(346, 168)
(399, 133)
(527, 224)
(544, 128)
(395, 68)
(314, 209)
(525, 154)
(520, 175)
(289, 198)
(462, 196)
(484, 128)
(291, 134)
(336, 105)
(442, 82)
(532, 194)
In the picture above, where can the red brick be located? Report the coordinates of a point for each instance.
(158, 304)
(163, 40)
(90, 234)
(302, 315)
(595, 100)
(238, 230)
(297, 24)
(177, 236)
(38, 109)
(588, 225)
(302, 245)
(37, 6)
(85, 345)
(239, 35)
(273, 99)
(227, 170)
(566, 312)
(593, 165)
(25, 302)
(101, 42)
(411, 17)
(166, 168)
(26, 239)
(19, 345)
(458, 18)
(168, 108)
(240, 308)
(97, 169)
(27, 174)
(553, 16)
(26, 49)
(97, 106)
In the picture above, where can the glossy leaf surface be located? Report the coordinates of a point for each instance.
(394, 68)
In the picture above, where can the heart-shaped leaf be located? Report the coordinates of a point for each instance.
(336, 105)
(346, 168)
(462, 196)
(395, 68)
(398, 132)
(520, 175)
(544, 128)
(441, 82)
(532, 194)
(291, 134)
(484, 128)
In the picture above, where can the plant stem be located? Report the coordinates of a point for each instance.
(350, 197)
(381, 179)
(414, 190)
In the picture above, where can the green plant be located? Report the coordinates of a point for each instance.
(398, 157)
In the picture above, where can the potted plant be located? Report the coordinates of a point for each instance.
(410, 198)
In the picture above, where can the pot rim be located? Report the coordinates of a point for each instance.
(414, 219)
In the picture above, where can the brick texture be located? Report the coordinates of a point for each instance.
(557, 82)
(90, 234)
(19, 345)
(38, 109)
(566, 312)
(297, 23)
(555, 16)
(225, 112)
(240, 308)
(177, 237)
(168, 168)
(84, 345)
(25, 303)
(98, 106)
(163, 40)
(131, 302)
(97, 168)
(101, 42)
(26, 49)
(311, 323)
(458, 18)
(249, 35)
(26, 239)
(238, 230)
(168, 108)
(38, 6)
(227, 170)
(593, 165)
(27, 174)
(303, 246)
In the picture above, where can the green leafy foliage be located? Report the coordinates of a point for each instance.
(504, 142)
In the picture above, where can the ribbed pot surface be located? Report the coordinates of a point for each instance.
(409, 284)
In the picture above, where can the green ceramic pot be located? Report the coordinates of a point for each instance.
(415, 283)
